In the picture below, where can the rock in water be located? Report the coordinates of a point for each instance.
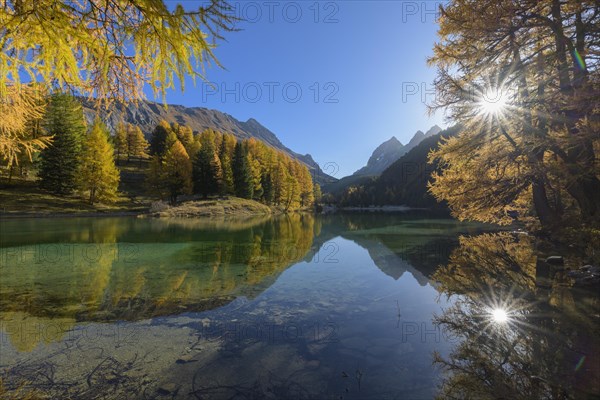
(556, 261)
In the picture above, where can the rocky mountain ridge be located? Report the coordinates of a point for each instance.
(147, 115)
(391, 150)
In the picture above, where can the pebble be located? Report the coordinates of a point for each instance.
(168, 388)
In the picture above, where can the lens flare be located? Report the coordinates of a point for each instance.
(493, 101)
(499, 315)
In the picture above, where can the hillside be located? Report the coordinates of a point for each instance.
(402, 183)
(391, 150)
(338, 187)
(405, 181)
(147, 114)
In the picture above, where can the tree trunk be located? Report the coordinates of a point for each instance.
(561, 48)
(580, 157)
(10, 172)
(586, 191)
(545, 213)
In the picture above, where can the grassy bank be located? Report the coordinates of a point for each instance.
(24, 198)
(212, 208)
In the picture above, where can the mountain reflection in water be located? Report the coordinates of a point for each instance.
(339, 306)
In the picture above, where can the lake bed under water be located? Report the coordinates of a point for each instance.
(299, 306)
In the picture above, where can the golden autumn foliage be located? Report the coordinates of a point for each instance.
(97, 174)
(522, 81)
(22, 108)
(271, 176)
(109, 49)
(106, 50)
(177, 172)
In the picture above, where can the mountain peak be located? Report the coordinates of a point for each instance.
(392, 141)
(434, 130)
(385, 154)
(391, 150)
(416, 139)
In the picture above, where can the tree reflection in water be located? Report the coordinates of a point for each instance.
(107, 270)
(547, 347)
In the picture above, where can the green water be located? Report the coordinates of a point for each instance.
(343, 307)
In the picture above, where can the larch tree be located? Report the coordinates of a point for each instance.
(139, 144)
(176, 175)
(522, 81)
(65, 123)
(120, 140)
(97, 175)
(280, 179)
(107, 50)
(185, 135)
(22, 108)
(255, 174)
(317, 194)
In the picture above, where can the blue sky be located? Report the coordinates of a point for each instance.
(333, 79)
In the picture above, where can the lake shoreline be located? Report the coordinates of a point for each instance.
(85, 214)
(192, 208)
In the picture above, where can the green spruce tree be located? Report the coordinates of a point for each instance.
(207, 167)
(242, 175)
(158, 140)
(227, 186)
(64, 122)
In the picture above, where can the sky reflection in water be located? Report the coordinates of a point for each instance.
(297, 307)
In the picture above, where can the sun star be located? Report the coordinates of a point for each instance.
(493, 101)
(499, 315)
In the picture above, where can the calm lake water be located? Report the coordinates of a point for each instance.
(356, 306)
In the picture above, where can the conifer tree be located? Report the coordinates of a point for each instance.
(185, 135)
(280, 187)
(97, 174)
(139, 144)
(305, 184)
(226, 164)
(123, 45)
(207, 167)
(158, 140)
(21, 107)
(255, 174)
(171, 140)
(120, 140)
(267, 185)
(317, 194)
(241, 173)
(154, 184)
(177, 172)
(64, 121)
(521, 80)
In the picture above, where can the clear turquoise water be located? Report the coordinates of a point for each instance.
(339, 307)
